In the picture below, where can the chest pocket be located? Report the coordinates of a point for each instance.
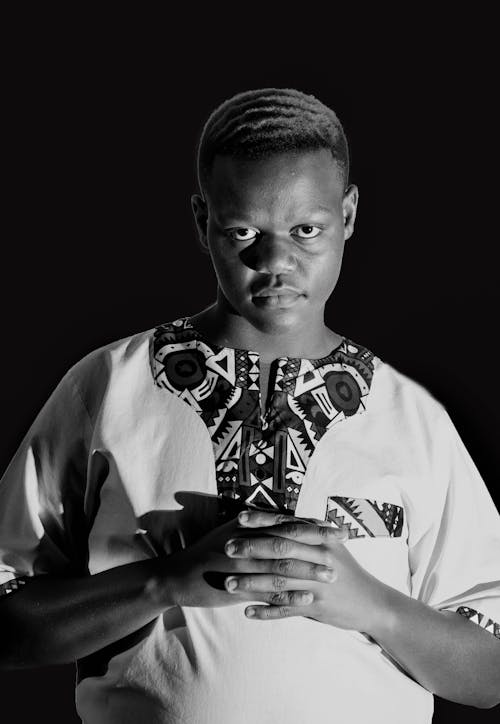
(376, 537)
(364, 518)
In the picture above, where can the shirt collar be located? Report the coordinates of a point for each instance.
(241, 367)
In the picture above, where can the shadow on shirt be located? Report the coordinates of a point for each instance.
(163, 532)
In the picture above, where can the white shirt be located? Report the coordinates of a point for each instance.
(160, 430)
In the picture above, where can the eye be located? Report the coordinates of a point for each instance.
(306, 231)
(242, 234)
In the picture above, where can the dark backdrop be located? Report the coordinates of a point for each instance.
(102, 244)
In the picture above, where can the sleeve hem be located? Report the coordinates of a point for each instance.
(14, 584)
(479, 619)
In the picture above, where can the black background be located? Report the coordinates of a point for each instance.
(101, 242)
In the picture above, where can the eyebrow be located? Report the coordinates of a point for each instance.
(234, 213)
(322, 208)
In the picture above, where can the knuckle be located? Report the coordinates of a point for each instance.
(284, 611)
(278, 582)
(301, 598)
(292, 529)
(329, 561)
(284, 566)
(279, 598)
(326, 573)
(267, 612)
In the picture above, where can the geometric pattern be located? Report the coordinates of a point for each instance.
(13, 585)
(362, 518)
(480, 620)
(261, 459)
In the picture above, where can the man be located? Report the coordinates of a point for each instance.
(364, 575)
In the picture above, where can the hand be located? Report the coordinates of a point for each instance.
(195, 575)
(301, 554)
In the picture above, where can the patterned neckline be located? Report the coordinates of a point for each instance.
(288, 368)
(241, 367)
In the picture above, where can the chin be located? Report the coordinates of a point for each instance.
(277, 321)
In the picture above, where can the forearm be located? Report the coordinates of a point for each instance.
(443, 651)
(55, 620)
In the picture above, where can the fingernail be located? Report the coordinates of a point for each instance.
(308, 597)
(231, 584)
(250, 612)
(243, 517)
(230, 548)
(326, 574)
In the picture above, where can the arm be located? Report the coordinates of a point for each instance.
(443, 651)
(57, 620)
(54, 620)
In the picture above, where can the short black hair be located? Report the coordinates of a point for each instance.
(260, 123)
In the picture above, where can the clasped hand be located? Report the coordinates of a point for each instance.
(306, 571)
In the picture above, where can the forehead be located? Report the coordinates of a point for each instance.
(291, 178)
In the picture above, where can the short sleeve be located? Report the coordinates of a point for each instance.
(42, 524)
(455, 562)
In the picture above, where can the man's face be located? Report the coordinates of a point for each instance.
(275, 230)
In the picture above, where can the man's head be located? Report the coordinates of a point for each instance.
(259, 123)
(275, 207)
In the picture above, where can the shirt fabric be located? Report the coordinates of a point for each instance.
(152, 440)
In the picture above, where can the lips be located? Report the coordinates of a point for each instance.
(277, 292)
(277, 298)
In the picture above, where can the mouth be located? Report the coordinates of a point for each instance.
(272, 300)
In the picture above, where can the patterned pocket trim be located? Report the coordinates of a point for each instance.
(365, 518)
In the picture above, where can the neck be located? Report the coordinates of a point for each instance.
(313, 339)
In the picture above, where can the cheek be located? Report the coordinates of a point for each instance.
(228, 268)
(327, 267)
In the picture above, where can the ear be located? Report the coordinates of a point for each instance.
(349, 209)
(200, 211)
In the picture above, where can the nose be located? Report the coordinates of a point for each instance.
(272, 254)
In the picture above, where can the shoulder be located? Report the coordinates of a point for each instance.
(124, 362)
(113, 354)
(394, 390)
(398, 403)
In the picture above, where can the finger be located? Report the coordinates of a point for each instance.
(262, 583)
(269, 613)
(288, 598)
(312, 535)
(277, 582)
(262, 518)
(284, 598)
(259, 518)
(276, 547)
